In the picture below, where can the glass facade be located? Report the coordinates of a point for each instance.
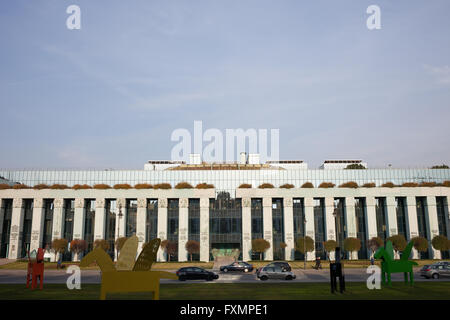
(194, 220)
(69, 211)
(442, 222)
(228, 182)
(278, 228)
(422, 223)
(361, 232)
(6, 229)
(151, 223)
(299, 224)
(89, 224)
(131, 218)
(339, 222)
(110, 224)
(380, 213)
(401, 216)
(48, 224)
(225, 223)
(172, 224)
(26, 232)
(319, 227)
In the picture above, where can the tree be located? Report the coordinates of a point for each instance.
(101, 243)
(305, 245)
(77, 246)
(192, 247)
(440, 243)
(442, 166)
(119, 243)
(330, 246)
(283, 245)
(374, 244)
(420, 244)
(398, 242)
(352, 245)
(59, 246)
(171, 249)
(260, 246)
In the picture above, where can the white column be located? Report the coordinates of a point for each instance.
(78, 219)
(246, 228)
(37, 224)
(15, 239)
(100, 218)
(183, 223)
(204, 229)
(162, 225)
(141, 222)
(267, 227)
(58, 222)
(309, 226)
(350, 221)
(289, 228)
(411, 225)
(330, 225)
(391, 219)
(371, 218)
(432, 225)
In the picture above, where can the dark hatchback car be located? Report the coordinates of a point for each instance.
(195, 273)
(282, 264)
(237, 266)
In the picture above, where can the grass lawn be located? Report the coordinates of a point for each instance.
(227, 291)
(22, 265)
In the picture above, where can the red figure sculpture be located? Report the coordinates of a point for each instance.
(36, 269)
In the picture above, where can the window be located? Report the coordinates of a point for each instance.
(89, 224)
(319, 227)
(151, 224)
(131, 217)
(360, 211)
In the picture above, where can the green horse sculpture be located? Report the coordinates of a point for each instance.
(389, 265)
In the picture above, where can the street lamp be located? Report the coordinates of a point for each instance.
(304, 243)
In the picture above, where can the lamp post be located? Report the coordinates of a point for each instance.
(120, 215)
(304, 243)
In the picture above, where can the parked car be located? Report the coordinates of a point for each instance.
(274, 272)
(237, 266)
(435, 271)
(195, 273)
(283, 264)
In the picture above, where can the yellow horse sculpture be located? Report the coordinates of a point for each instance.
(139, 279)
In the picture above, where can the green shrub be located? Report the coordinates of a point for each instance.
(442, 166)
(388, 185)
(204, 186)
(420, 244)
(143, 186)
(440, 243)
(307, 185)
(122, 186)
(58, 186)
(428, 184)
(287, 186)
(410, 185)
(352, 244)
(101, 186)
(183, 185)
(326, 185)
(266, 186)
(162, 186)
(81, 186)
(41, 186)
(245, 186)
(350, 184)
(369, 185)
(20, 186)
(4, 186)
(304, 245)
(398, 242)
(446, 183)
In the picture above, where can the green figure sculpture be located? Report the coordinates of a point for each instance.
(389, 265)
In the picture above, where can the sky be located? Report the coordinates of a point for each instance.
(110, 94)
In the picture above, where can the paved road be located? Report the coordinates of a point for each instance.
(93, 276)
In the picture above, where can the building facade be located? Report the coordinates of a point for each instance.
(225, 217)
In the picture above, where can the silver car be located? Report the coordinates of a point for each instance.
(435, 271)
(274, 272)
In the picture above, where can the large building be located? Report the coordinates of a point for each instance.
(226, 215)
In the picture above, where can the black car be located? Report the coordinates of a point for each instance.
(195, 273)
(284, 266)
(237, 266)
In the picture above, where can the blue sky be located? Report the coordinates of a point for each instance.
(110, 95)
